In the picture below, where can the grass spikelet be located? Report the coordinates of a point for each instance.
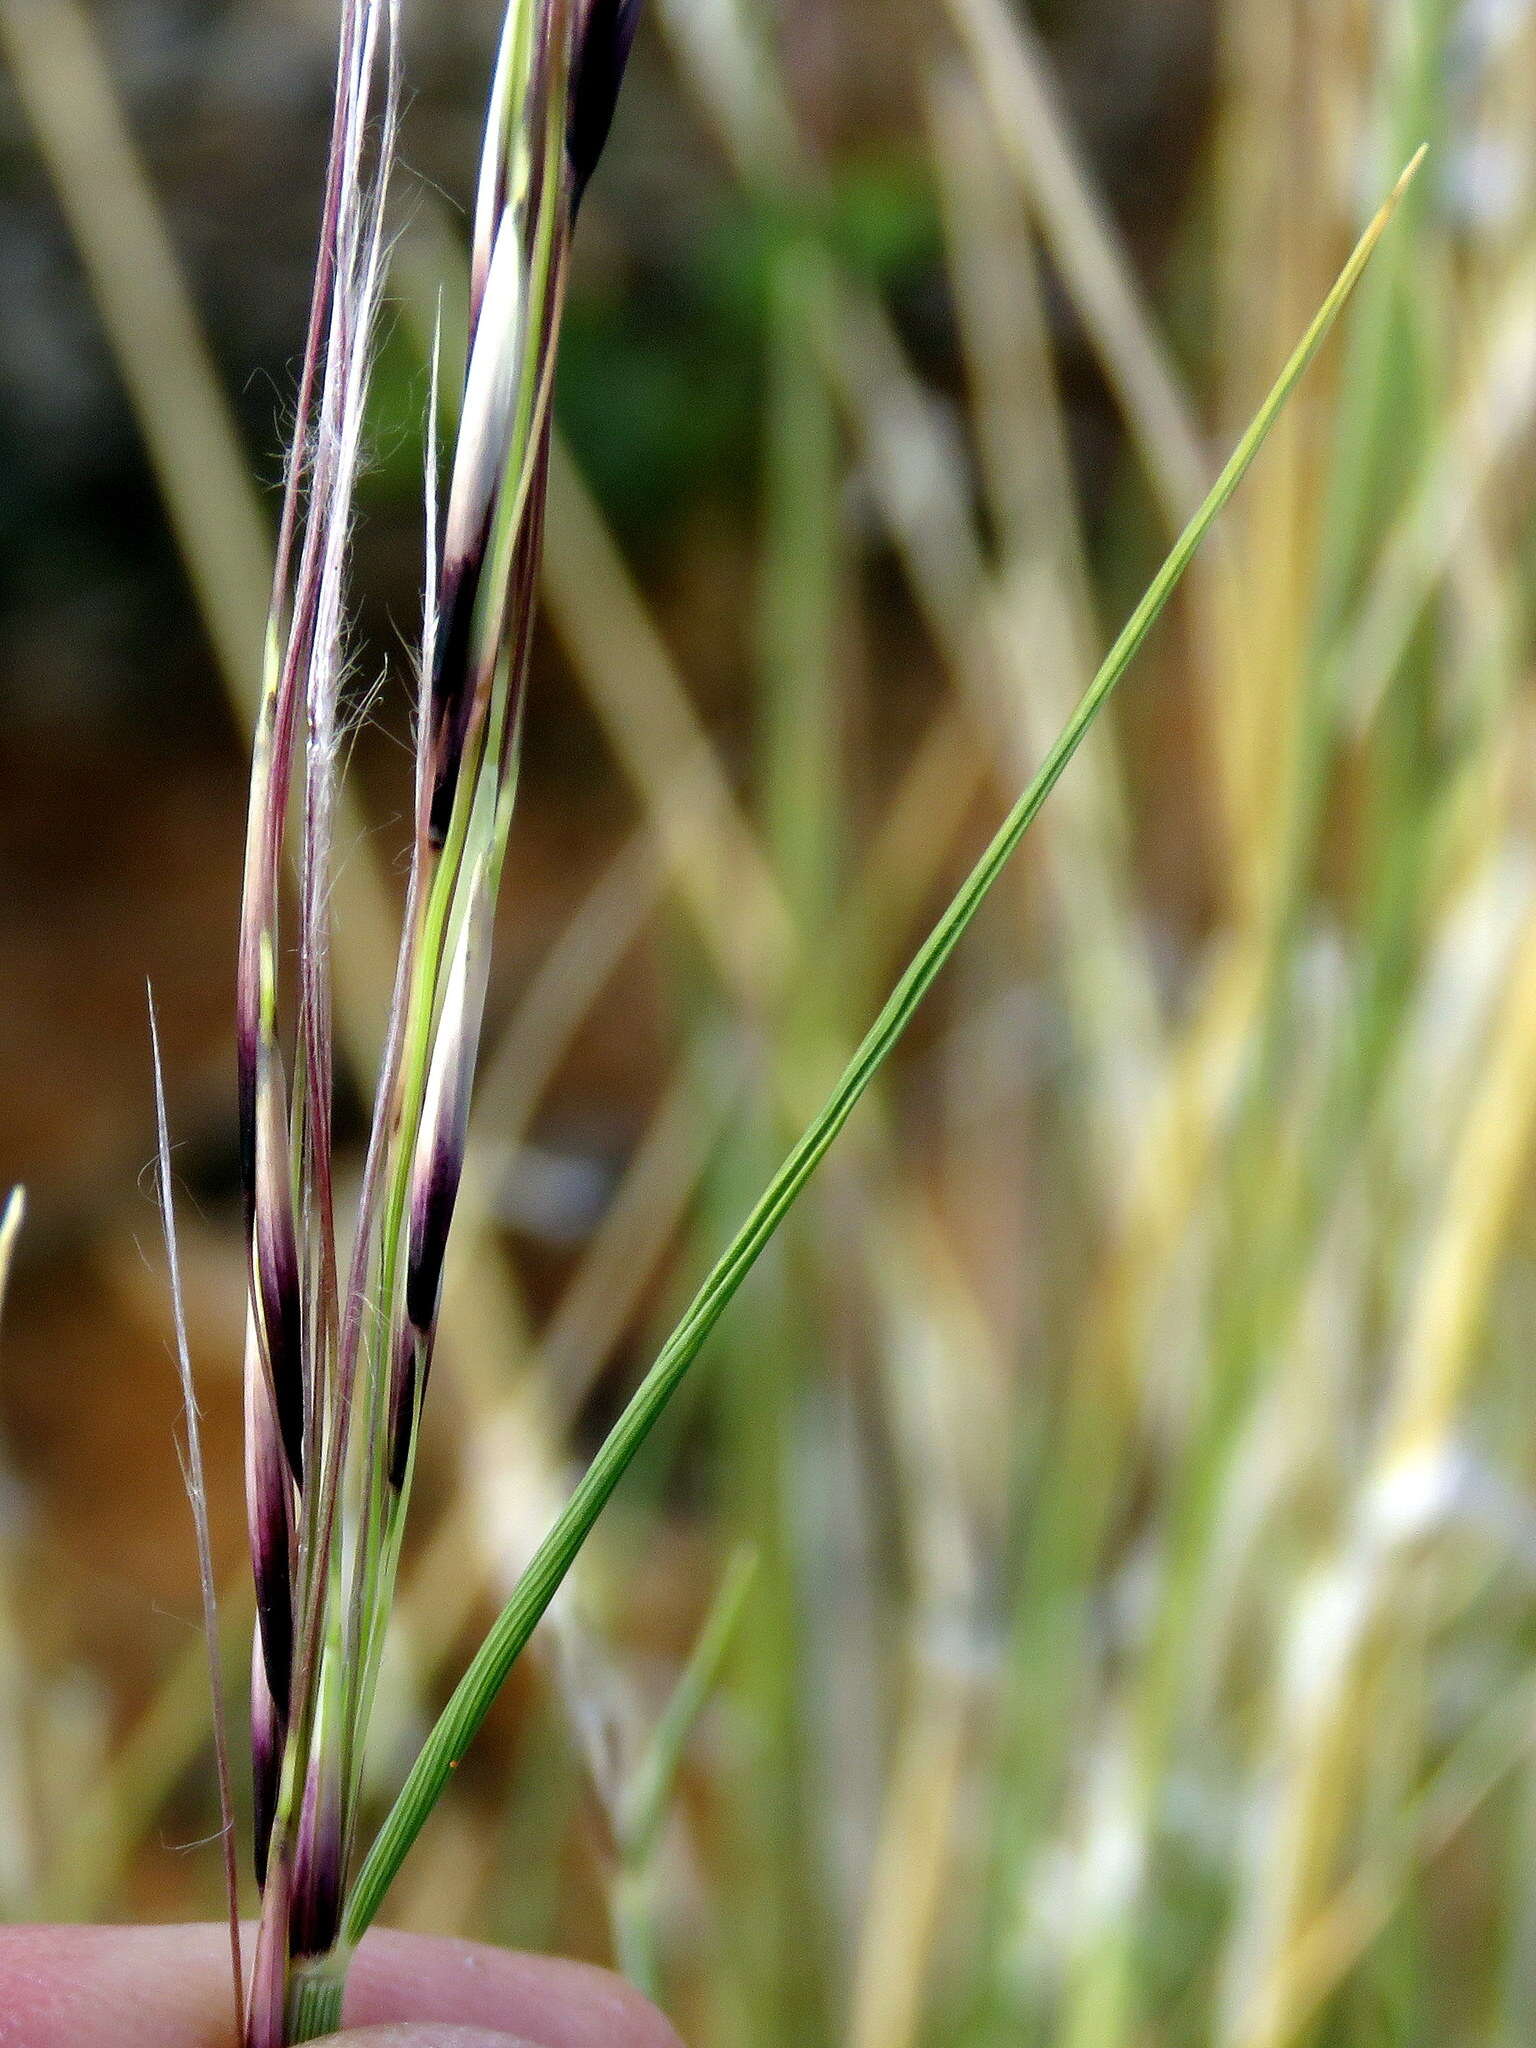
(338, 1361)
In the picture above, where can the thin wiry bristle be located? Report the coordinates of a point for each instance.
(192, 1473)
(293, 1406)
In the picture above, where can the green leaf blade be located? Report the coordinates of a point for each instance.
(471, 1700)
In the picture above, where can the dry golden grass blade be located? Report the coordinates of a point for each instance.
(1487, 423)
(1486, 1184)
(1341, 1932)
(906, 443)
(1035, 142)
(1166, 1177)
(1043, 629)
(601, 930)
(913, 1860)
(1320, 1715)
(58, 70)
(659, 739)
(640, 1225)
(1033, 134)
(948, 771)
(1277, 239)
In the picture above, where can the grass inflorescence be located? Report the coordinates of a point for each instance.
(342, 1342)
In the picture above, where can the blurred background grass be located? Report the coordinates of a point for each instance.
(1132, 1429)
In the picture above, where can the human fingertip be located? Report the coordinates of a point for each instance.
(422, 2034)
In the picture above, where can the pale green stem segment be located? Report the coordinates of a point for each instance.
(461, 1718)
(315, 1992)
(650, 1791)
(648, 1797)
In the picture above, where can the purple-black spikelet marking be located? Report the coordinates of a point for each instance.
(439, 1163)
(413, 1358)
(431, 1218)
(266, 1758)
(452, 693)
(279, 1271)
(270, 1525)
(270, 1528)
(315, 1915)
(279, 1296)
(605, 33)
